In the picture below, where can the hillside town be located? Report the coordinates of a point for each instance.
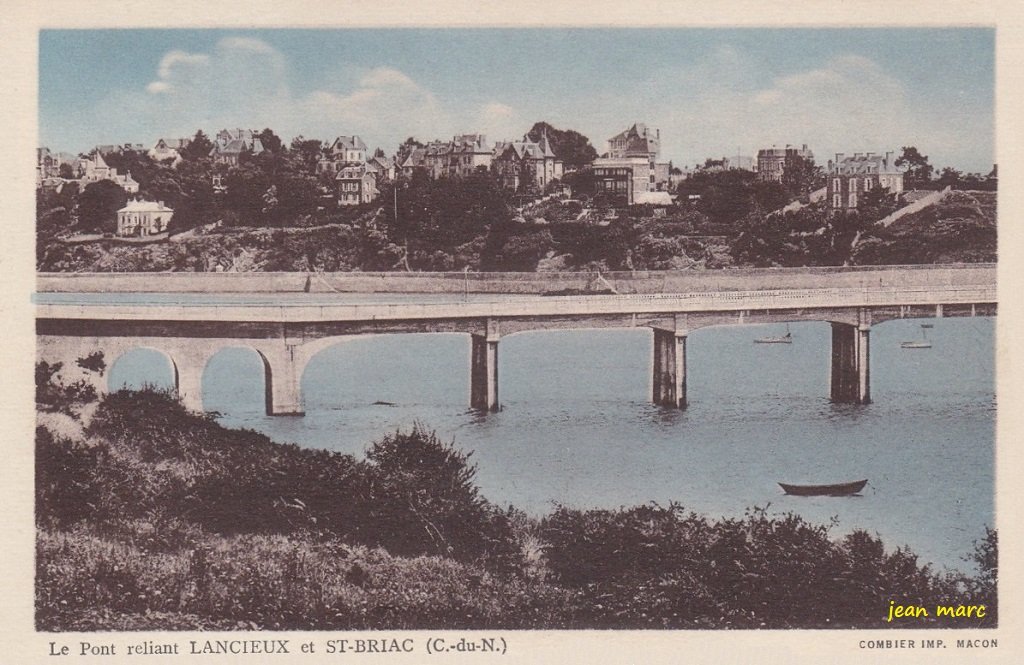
(551, 184)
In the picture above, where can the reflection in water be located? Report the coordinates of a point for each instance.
(577, 427)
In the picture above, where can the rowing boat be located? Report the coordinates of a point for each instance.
(839, 489)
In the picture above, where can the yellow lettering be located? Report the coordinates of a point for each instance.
(981, 611)
(943, 611)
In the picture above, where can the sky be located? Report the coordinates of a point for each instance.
(711, 92)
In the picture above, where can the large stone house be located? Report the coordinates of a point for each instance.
(143, 218)
(849, 178)
(95, 169)
(469, 153)
(771, 162)
(463, 155)
(356, 183)
(631, 164)
(343, 151)
(230, 144)
(522, 164)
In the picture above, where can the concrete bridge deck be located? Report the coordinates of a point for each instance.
(288, 329)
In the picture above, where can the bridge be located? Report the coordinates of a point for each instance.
(287, 321)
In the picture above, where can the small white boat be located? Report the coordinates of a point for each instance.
(784, 339)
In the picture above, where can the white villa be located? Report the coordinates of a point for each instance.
(143, 218)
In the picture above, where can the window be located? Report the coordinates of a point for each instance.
(836, 184)
(853, 200)
(867, 184)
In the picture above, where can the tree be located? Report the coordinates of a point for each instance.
(65, 171)
(271, 141)
(405, 149)
(801, 176)
(919, 172)
(950, 177)
(573, 148)
(98, 206)
(310, 150)
(198, 148)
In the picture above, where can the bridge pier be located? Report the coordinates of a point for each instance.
(669, 374)
(188, 383)
(283, 380)
(851, 372)
(483, 375)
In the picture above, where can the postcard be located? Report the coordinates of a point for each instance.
(412, 333)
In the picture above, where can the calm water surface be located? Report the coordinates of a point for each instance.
(576, 426)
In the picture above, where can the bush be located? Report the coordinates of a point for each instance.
(65, 478)
(661, 567)
(425, 501)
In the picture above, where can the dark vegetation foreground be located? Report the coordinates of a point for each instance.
(150, 517)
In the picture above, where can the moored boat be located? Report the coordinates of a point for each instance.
(838, 489)
(782, 339)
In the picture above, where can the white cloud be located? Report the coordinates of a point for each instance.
(725, 100)
(243, 82)
(498, 121)
(851, 103)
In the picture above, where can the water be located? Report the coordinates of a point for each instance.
(577, 428)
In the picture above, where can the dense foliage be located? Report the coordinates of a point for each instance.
(152, 517)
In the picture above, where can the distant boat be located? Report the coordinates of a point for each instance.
(784, 339)
(927, 325)
(922, 343)
(839, 489)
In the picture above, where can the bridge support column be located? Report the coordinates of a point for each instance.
(283, 381)
(188, 382)
(669, 368)
(851, 360)
(483, 378)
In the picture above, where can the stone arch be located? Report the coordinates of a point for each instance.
(128, 349)
(266, 371)
(308, 355)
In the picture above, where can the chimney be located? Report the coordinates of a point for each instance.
(805, 147)
(889, 161)
(839, 157)
(858, 155)
(870, 155)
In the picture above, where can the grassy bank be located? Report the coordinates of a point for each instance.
(151, 517)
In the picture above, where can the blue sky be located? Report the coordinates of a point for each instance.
(709, 91)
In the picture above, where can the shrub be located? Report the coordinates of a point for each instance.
(660, 567)
(425, 501)
(65, 478)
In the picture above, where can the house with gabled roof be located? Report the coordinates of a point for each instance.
(469, 153)
(521, 164)
(417, 159)
(356, 183)
(631, 165)
(168, 149)
(95, 168)
(230, 144)
(384, 167)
